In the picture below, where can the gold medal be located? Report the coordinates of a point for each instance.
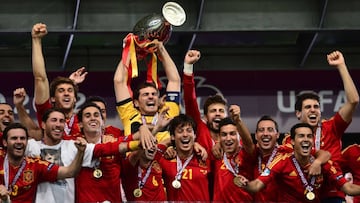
(97, 173)
(137, 192)
(176, 184)
(237, 181)
(310, 195)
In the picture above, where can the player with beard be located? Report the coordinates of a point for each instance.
(290, 172)
(328, 133)
(63, 152)
(186, 176)
(60, 93)
(237, 159)
(214, 108)
(20, 175)
(144, 105)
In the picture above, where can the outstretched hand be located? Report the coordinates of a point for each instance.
(79, 75)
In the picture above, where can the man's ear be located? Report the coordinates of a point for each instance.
(136, 103)
(4, 143)
(43, 125)
(52, 99)
(298, 114)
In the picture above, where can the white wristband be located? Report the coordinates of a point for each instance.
(188, 69)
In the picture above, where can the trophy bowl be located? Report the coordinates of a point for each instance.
(156, 26)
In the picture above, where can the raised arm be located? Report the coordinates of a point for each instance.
(75, 166)
(171, 71)
(120, 81)
(24, 118)
(243, 130)
(337, 60)
(190, 100)
(41, 91)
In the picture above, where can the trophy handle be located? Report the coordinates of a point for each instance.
(174, 13)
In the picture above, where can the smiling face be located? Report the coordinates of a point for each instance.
(64, 97)
(148, 101)
(303, 142)
(310, 112)
(229, 139)
(184, 138)
(54, 127)
(15, 143)
(91, 120)
(266, 136)
(6, 116)
(214, 114)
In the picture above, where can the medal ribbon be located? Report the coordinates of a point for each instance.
(154, 120)
(317, 137)
(273, 153)
(235, 170)
(143, 180)
(180, 167)
(306, 185)
(7, 173)
(67, 127)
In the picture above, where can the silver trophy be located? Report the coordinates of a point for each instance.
(156, 26)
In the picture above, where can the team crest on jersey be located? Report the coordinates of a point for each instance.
(156, 167)
(28, 176)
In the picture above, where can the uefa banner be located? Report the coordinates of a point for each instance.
(257, 92)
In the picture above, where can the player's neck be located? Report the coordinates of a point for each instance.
(68, 113)
(15, 161)
(51, 142)
(184, 154)
(144, 163)
(214, 135)
(93, 137)
(303, 160)
(267, 152)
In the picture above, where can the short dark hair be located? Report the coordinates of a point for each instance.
(303, 96)
(226, 121)
(181, 120)
(87, 105)
(142, 86)
(214, 99)
(267, 118)
(49, 111)
(62, 80)
(299, 125)
(14, 126)
(96, 99)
